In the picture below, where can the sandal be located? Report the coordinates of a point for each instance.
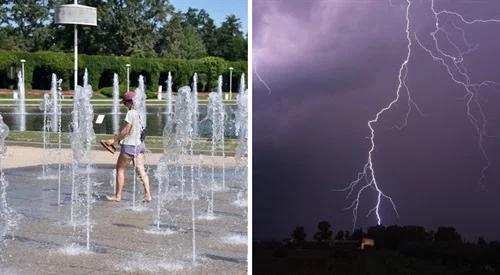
(110, 147)
(145, 199)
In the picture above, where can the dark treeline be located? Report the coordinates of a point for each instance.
(140, 28)
(397, 250)
(385, 237)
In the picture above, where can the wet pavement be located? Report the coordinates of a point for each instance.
(123, 239)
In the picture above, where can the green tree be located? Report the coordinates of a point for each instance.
(169, 44)
(4, 9)
(191, 44)
(190, 17)
(180, 40)
(204, 26)
(141, 28)
(123, 27)
(9, 39)
(231, 44)
(133, 25)
(208, 34)
(30, 18)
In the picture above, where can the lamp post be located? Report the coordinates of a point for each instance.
(22, 67)
(128, 76)
(231, 83)
(75, 14)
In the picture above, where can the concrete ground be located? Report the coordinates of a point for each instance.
(123, 239)
(21, 156)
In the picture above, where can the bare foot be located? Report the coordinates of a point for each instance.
(113, 198)
(147, 198)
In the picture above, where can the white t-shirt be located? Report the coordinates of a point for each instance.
(134, 136)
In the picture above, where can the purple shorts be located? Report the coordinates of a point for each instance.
(133, 150)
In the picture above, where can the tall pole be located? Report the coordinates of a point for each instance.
(230, 83)
(128, 77)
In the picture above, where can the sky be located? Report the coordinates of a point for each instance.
(218, 9)
(332, 66)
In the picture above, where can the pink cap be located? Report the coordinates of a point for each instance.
(128, 96)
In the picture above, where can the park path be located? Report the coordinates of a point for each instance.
(23, 156)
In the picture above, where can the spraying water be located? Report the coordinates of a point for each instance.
(115, 111)
(82, 138)
(241, 119)
(195, 115)
(200, 170)
(219, 126)
(8, 216)
(215, 113)
(184, 140)
(193, 214)
(183, 129)
(112, 180)
(140, 100)
(168, 96)
(219, 86)
(162, 175)
(140, 106)
(21, 109)
(58, 111)
(51, 106)
(45, 105)
(54, 107)
(241, 125)
(116, 122)
(116, 95)
(163, 170)
(195, 104)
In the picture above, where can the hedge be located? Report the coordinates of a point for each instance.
(40, 65)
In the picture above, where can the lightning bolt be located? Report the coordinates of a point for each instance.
(459, 75)
(260, 78)
(453, 63)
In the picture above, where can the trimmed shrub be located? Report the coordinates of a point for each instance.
(108, 91)
(101, 69)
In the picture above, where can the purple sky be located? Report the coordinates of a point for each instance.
(332, 65)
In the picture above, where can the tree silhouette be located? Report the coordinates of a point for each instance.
(413, 233)
(481, 241)
(347, 235)
(447, 234)
(377, 233)
(339, 236)
(406, 249)
(357, 235)
(394, 234)
(299, 234)
(324, 233)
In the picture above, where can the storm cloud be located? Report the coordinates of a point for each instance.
(332, 65)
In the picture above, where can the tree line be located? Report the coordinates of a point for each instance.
(139, 28)
(397, 250)
(384, 237)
